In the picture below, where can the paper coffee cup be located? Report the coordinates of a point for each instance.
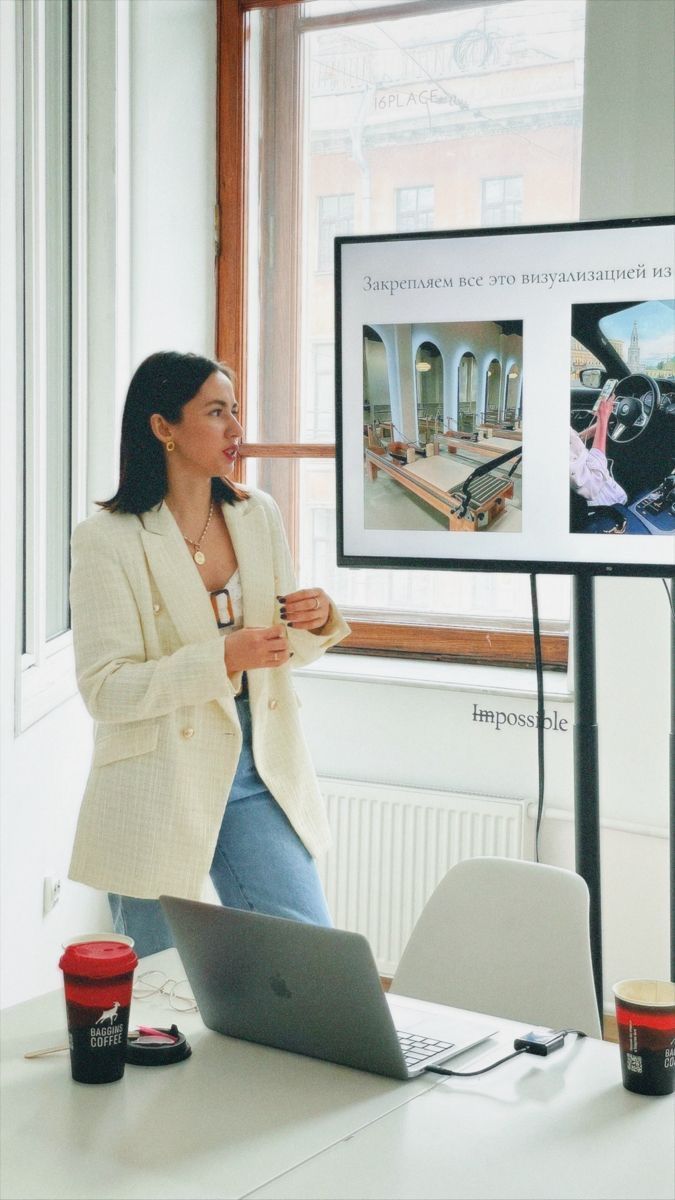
(645, 1017)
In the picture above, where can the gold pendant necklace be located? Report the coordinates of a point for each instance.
(199, 556)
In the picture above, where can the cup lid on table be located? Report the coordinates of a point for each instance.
(156, 1047)
(98, 959)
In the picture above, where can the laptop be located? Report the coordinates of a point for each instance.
(310, 990)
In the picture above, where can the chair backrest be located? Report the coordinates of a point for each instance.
(509, 938)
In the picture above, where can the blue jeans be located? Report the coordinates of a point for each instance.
(259, 863)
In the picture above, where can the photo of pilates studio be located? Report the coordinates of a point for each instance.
(337, 601)
(454, 435)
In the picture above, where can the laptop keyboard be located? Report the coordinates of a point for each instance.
(417, 1048)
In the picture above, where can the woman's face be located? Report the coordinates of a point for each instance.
(208, 434)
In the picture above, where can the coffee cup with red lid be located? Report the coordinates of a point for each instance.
(98, 974)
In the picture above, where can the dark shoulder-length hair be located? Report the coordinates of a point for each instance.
(162, 384)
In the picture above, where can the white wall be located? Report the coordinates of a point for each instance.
(629, 109)
(628, 170)
(173, 196)
(161, 252)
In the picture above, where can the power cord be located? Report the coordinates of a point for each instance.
(466, 1074)
(538, 661)
(531, 1043)
(669, 595)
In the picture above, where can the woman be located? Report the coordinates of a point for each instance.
(589, 470)
(185, 619)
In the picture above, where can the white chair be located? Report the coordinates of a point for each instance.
(508, 938)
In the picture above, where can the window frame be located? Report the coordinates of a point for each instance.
(488, 218)
(494, 645)
(321, 267)
(399, 215)
(46, 672)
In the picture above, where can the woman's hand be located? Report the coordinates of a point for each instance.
(306, 609)
(250, 649)
(605, 409)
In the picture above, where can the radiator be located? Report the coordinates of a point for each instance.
(392, 845)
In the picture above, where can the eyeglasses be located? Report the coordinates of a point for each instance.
(156, 983)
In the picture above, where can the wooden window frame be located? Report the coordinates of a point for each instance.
(482, 645)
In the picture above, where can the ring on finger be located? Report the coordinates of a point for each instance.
(316, 601)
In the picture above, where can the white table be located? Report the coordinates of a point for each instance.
(240, 1120)
(538, 1127)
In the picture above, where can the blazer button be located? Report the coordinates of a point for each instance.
(156, 608)
(272, 703)
(187, 733)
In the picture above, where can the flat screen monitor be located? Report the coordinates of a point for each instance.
(505, 398)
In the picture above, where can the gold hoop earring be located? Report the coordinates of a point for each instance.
(170, 445)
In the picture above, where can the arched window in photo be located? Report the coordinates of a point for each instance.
(376, 394)
(512, 406)
(428, 390)
(493, 388)
(467, 389)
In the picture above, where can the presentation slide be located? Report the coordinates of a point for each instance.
(505, 398)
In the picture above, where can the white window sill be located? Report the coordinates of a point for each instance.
(460, 677)
(45, 685)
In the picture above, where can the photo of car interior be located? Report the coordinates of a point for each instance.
(633, 343)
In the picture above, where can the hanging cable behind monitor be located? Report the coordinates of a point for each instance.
(536, 631)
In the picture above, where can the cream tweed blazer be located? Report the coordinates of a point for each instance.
(150, 667)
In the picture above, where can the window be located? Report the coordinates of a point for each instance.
(52, 191)
(318, 411)
(493, 379)
(371, 98)
(467, 387)
(414, 209)
(512, 410)
(502, 201)
(429, 388)
(336, 219)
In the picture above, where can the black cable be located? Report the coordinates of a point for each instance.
(670, 598)
(536, 631)
(541, 1044)
(498, 1063)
